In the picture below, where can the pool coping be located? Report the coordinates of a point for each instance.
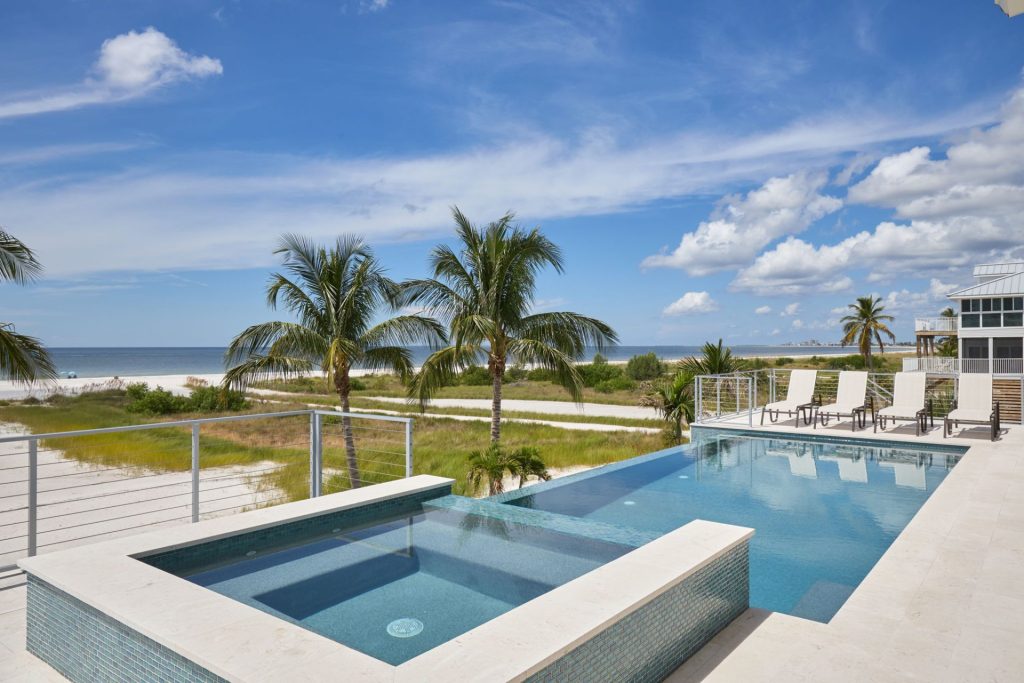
(241, 643)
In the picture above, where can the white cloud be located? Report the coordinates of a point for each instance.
(129, 66)
(763, 310)
(776, 332)
(790, 309)
(374, 5)
(691, 302)
(742, 226)
(840, 310)
(798, 324)
(226, 210)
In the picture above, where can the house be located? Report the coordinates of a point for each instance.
(989, 328)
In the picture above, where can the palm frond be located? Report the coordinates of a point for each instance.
(24, 358)
(18, 263)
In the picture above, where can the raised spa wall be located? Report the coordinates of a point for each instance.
(634, 619)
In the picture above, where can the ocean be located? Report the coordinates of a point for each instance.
(129, 361)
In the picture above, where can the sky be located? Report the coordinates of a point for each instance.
(739, 169)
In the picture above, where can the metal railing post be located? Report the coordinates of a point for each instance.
(319, 454)
(195, 471)
(408, 448)
(312, 455)
(751, 383)
(33, 494)
(718, 396)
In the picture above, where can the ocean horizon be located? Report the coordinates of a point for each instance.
(171, 360)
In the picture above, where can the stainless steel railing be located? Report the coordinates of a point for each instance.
(64, 488)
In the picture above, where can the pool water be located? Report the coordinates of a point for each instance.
(397, 587)
(824, 513)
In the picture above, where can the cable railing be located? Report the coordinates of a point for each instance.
(61, 489)
(738, 396)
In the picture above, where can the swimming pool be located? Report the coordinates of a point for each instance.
(824, 510)
(398, 585)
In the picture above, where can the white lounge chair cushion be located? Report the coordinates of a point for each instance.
(974, 393)
(844, 409)
(801, 387)
(908, 412)
(853, 389)
(786, 406)
(970, 414)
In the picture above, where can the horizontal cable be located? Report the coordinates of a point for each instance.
(111, 519)
(114, 531)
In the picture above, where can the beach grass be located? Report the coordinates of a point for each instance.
(440, 445)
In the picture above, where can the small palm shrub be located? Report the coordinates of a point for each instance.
(490, 467)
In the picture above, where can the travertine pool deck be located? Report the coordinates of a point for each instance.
(945, 602)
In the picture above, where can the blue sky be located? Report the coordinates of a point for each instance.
(734, 169)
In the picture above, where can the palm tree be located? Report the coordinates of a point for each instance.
(715, 359)
(335, 294)
(866, 326)
(947, 345)
(528, 464)
(485, 294)
(674, 399)
(22, 358)
(494, 463)
(491, 466)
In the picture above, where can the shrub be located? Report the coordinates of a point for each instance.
(515, 373)
(620, 383)
(783, 360)
(540, 375)
(355, 384)
(475, 376)
(193, 382)
(644, 366)
(853, 362)
(136, 390)
(599, 360)
(211, 399)
(157, 401)
(595, 373)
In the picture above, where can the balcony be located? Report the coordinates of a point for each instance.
(951, 366)
(944, 326)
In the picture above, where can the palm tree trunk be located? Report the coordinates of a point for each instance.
(343, 387)
(495, 406)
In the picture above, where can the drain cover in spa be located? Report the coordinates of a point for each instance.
(405, 628)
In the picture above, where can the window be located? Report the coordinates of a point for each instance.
(991, 320)
(997, 304)
(965, 306)
(1018, 303)
(1008, 304)
(975, 305)
(1007, 347)
(975, 348)
(986, 304)
(970, 320)
(1013, 319)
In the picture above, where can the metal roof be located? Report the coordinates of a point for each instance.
(989, 269)
(1008, 285)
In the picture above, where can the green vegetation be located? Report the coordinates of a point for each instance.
(485, 294)
(645, 367)
(441, 445)
(866, 325)
(336, 294)
(674, 399)
(202, 399)
(489, 467)
(22, 358)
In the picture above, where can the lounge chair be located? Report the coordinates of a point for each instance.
(851, 401)
(973, 405)
(799, 397)
(908, 402)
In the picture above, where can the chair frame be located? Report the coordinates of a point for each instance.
(858, 412)
(804, 410)
(993, 423)
(921, 419)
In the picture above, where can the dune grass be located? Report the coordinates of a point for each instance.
(440, 446)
